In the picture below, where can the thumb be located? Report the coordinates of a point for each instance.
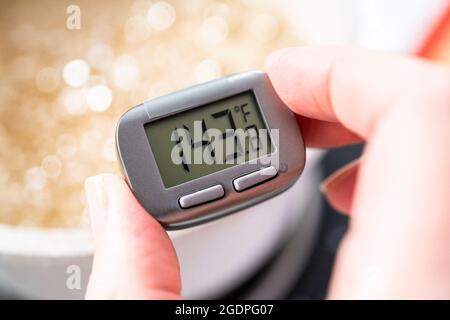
(134, 257)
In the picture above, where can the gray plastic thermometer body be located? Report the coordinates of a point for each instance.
(184, 194)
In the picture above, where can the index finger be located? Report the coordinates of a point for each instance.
(351, 86)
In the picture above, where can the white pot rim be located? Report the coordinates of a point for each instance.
(48, 242)
(31, 241)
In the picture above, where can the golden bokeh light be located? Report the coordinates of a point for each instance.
(76, 72)
(62, 91)
(99, 98)
(161, 15)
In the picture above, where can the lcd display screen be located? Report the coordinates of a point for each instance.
(209, 138)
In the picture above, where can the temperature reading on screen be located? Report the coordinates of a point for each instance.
(209, 138)
(224, 145)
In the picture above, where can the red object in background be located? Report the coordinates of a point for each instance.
(437, 45)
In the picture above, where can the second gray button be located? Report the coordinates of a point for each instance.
(254, 178)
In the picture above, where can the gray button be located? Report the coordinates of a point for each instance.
(254, 178)
(202, 196)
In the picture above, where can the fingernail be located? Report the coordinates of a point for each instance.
(274, 58)
(339, 175)
(97, 203)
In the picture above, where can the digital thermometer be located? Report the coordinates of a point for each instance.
(209, 150)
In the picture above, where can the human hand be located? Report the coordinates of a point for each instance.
(397, 243)
(134, 257)
(397, 195)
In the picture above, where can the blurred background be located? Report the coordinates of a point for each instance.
(66, 81)
(65, 89)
